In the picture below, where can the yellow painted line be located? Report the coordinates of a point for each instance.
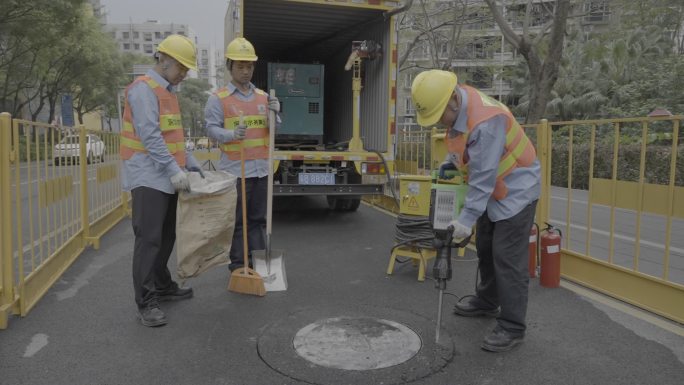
(620, 306)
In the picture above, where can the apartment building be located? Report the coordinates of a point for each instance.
(98, 11)
(143, 38)
(206, 64)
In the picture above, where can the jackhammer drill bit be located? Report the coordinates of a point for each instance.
(441, 270)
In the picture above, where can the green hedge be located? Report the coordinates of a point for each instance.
(657, 170)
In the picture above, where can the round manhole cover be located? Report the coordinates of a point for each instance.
(342, 344)
(356, 343)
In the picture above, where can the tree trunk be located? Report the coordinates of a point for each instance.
(543, 73)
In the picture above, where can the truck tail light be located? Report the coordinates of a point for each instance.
(372, 168)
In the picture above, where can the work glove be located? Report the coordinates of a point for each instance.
(181, 182)
(195, 169)
(273, 104)
(240, 132)
(192, 165)
(443, 169)
(460, 231)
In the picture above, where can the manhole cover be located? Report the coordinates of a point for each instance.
(342, 344)
(356, 343)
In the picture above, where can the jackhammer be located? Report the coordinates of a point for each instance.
(441, 270)
(446, 201)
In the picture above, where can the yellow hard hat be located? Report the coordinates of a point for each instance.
(430, 93)
(240, 49)
(180, 48)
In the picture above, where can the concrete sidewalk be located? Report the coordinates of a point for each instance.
(84, 331)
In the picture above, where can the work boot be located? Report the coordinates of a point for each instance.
(501, 340)
(472, 306)
(151, 315)
(175, 294)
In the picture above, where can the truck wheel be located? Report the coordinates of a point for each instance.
(343, 204)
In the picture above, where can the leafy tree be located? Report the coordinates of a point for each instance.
(192, 99)
(115, 101)
(28, 29)
(101, 71)
(623, 70)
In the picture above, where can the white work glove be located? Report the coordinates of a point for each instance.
(240, 132)
(460, 231)
(181, 182)
(273, 104)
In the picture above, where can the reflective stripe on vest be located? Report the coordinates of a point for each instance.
(254, 115)
(170, 124)
(519, 151)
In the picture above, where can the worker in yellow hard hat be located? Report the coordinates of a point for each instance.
(237, 116)
(154, 170)
(488, 146)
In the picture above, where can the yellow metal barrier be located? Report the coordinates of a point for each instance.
(413, 153)
(66, 192)
(618, 195)
(65, 201)
(614, 211)
(7, 298)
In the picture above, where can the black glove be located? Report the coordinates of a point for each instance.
(444, 167)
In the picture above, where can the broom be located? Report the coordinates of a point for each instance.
(245, 280)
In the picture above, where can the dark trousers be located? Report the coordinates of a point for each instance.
(154, 226)
(256, 190)
(502, 250)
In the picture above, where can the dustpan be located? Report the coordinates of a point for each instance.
(270, 263)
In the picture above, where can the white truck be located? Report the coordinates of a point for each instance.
(333, 65)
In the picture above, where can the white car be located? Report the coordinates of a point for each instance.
(69, 149)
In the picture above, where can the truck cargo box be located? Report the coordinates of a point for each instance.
(313, 153)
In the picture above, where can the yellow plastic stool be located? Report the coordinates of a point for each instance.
(419, 256)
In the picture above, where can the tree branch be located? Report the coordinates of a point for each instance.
(506, 29)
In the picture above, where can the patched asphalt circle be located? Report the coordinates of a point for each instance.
(354, 344)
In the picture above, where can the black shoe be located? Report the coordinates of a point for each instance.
(501, 340)
(472, 306)
(152, 316)
(175, 294)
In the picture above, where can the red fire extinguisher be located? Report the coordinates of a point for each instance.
(534, 241)
(550, 257)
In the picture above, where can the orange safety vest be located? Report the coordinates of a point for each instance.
(170, 123)
(519, 151)
(254, 114)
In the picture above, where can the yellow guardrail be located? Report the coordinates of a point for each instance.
(616, 189)
(614, 186)
(60, 192)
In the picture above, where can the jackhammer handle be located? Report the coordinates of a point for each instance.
(450, 235)
(450, 238)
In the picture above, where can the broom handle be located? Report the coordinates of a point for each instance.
(243, 200)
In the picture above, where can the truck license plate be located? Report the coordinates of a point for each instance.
(317, 178)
